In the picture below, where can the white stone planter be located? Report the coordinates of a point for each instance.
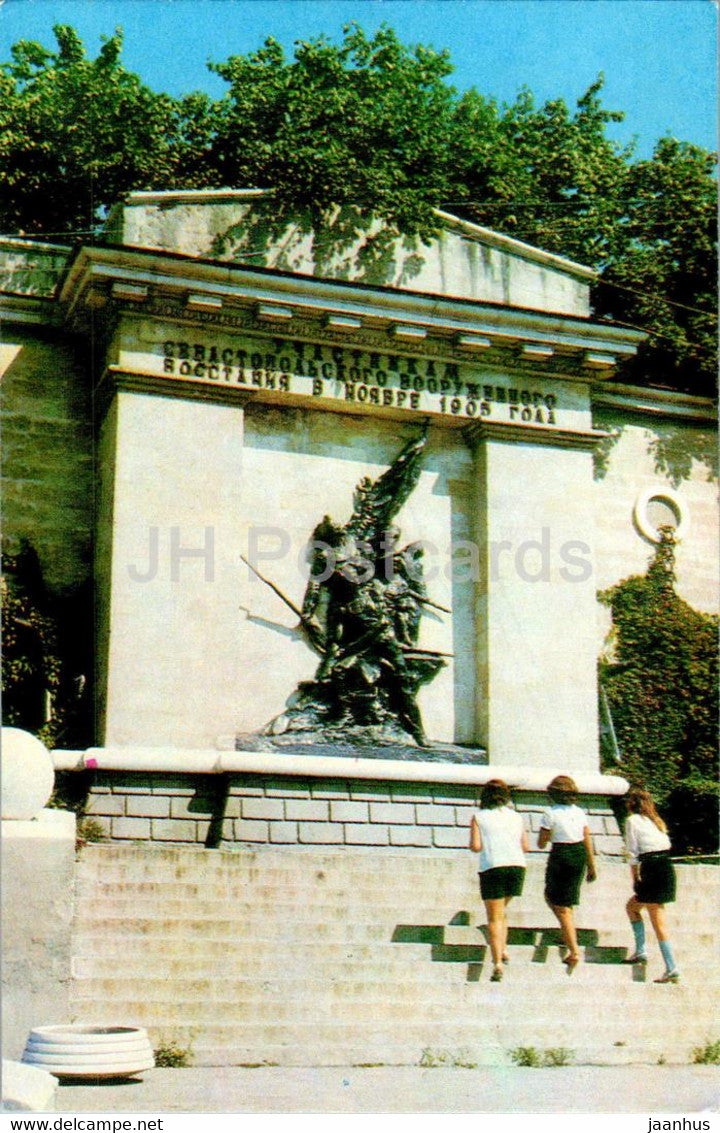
(84, 1050)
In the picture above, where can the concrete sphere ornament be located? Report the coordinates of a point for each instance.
(27, 774)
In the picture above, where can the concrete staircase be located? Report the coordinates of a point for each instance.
(353, 957)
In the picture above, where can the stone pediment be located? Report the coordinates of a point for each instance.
(245, 226)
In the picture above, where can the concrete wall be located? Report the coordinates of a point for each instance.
(463, 260)
(38, 859)
(27, 268)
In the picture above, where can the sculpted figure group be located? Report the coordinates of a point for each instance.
(361, 613)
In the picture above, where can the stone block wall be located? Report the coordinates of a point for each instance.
(292, 811)
(47, 478)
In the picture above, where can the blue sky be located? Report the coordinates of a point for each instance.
(658, 55)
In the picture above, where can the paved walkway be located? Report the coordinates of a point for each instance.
(404, 1089)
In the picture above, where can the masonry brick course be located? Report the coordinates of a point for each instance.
(311, 810)
(429, 815)
(192, 807)
(105, 805)
(366, 834)
(131, 828)
(450, 836)
(399, 813)
(330, 789)
(148, 806)
(247, 830)
(263, 808)
(318, 833)
(176, 830)
(411, 836)
(333, 812)
(283, 833)
(287, 789)
(341, 811)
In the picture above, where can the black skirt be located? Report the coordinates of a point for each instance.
(502, 881)
(657, 883)
(564, 874)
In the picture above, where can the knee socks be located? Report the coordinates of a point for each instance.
(667, 955)
(638, 928)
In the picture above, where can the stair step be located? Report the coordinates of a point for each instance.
(546, 989)
(469, 1033)
(335, 957)
(417, 970)
(430, 1053)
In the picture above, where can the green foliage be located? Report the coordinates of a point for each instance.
(75, 134)
(668, 255)
(526, 1056)
(90, 830)
(171, 1054)
(43, 692)
(708, 1055)
(661, 686)
(368, 123)
(431, 1059)
(375, 124)
(557, 1056)
(31, 665)
(532, 1057)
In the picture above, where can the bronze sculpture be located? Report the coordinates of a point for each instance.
(361, 613)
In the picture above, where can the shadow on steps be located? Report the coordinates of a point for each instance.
(539, 939)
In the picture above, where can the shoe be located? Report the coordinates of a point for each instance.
(571, 962)
(506, 959)
(668, 978)
(636, 958)
(496, 976)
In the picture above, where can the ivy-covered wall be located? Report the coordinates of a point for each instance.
(660, 677)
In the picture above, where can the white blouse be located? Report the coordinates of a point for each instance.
(642, 836)
(565, 823)
(501, 831)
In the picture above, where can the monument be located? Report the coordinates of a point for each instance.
(406, 450)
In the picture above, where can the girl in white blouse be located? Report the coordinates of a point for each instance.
(565, 826)
(653, 876)
(498, 837)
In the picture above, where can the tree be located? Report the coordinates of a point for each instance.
(369, 123)
(661, 685)
(663, 273)
(373, 123)
(75, 135)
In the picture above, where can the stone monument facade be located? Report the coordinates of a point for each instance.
(246, 379)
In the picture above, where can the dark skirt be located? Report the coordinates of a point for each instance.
(503, 881)
(564, 874)
(656, 883)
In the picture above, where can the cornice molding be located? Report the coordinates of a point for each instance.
(33, 310)
(96, 270)
(655, 402)
(528, 434)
